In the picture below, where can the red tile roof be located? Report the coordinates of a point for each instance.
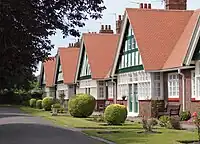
(100, 49)
(68, 59)
(49, 71)
(162, 35)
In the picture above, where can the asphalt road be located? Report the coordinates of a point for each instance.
(19, 128)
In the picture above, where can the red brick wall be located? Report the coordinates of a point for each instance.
(145, 108)
(189, 104)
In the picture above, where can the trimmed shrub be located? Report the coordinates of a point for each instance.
(47, 103)
(32, 102)
(115, 114)
(39, 104)
(81, 105)
(185, 116)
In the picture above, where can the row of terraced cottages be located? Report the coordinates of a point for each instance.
(154, 56)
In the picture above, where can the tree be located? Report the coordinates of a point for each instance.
(25, 27)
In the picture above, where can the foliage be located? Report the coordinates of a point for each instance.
(37, 95)
(62, 99)
(156, 106)
(47, 103)
(148, 124)
(61, 110)
(185, 116)
(39, 104)
(170, 122)
(98, 118)
(57, 105)
(196, 120)
(26, 26)
(115, 114)
(164, 120)
(81, 105)
(32, 102)
(174, 123)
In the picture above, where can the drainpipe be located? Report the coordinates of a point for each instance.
(183, 87)
(114, 92)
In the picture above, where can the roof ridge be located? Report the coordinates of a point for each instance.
(161, 10)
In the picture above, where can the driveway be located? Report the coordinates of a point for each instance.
(19, 128)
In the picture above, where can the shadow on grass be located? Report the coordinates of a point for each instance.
(189, 142)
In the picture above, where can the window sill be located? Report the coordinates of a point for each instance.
(173, 99)
(194, 100)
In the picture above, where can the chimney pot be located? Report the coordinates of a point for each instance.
(106, 27)
(102, 27)
(120, 17)
(109, 27)
(141, 5)
(149, 6)
(145, 5)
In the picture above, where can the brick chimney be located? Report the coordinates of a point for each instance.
(145, 6)
(175, 4)
(106, 29)
(119, 24)
(77, 44)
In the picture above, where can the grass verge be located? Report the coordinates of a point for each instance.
(83, 123)
(166, 136)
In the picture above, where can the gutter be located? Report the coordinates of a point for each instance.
(114, 92)
(183, 87)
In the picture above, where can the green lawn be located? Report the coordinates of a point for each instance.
(125, 134)
(132, 137)
(69, 121)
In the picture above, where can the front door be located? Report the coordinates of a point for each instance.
(133, 100)
(130, 98)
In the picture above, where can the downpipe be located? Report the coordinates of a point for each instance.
(183, 87)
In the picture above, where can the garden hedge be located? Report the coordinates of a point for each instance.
(47, 103)
(115, 114)
(81, 105)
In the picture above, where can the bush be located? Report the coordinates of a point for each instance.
(185, 116)
(81, 105)
(32, 102)
(46, 103)
(164, 121)
(98, 118)
(115, 114)
(39, 104)
(174, 123)
(61, 110)
(57, 105)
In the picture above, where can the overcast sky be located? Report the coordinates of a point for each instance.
(114, 8)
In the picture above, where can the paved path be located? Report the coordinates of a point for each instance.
(19, 128)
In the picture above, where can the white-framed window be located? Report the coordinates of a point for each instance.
(193, 91)
(173, 85)
(157, 84)
(101, 89)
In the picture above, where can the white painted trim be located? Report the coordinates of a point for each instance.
(57, 60)
(172, 69)
(79, 60)
(193, 96)
(193, 42)
(119, 44)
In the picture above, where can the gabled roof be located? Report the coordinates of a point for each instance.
(49, 70)
(100, 49)
(68, 61)
(163, 36)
